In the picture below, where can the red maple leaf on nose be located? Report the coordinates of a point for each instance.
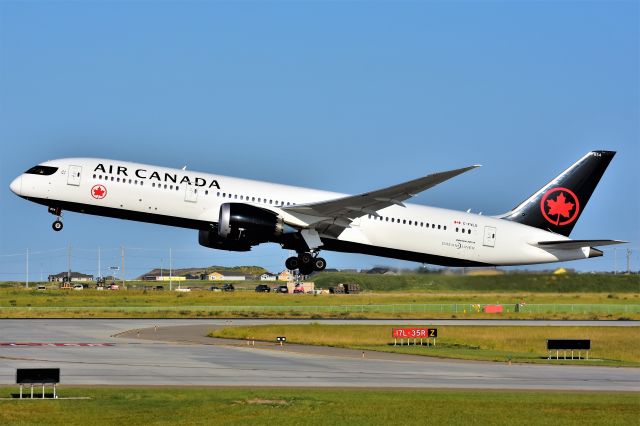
(98, 192)
(559, 207)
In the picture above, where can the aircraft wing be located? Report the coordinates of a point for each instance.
(335, 215)
(575, 244)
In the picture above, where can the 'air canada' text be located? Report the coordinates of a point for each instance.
(160, 177)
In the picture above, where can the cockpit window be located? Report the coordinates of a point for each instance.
(42, 170)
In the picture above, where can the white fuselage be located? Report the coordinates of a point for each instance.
(193, 198)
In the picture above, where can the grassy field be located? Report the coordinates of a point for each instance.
(508, 283)
(620, 293)
(237, 406)
(617, 346)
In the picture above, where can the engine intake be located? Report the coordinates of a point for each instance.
(249, 224)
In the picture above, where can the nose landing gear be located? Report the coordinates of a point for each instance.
(306, 263)
(57, 225)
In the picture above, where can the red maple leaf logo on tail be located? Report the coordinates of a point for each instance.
(559, 207)
(560, 211)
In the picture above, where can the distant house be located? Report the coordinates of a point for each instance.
(285, 275)
(268, 277)
(226, 276)
(75, 276)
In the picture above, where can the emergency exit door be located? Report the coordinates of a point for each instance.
(489, 236)
(73, 176)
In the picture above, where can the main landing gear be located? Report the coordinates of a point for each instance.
(57, 225)
(306, 263)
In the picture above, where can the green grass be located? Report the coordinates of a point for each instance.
(508, 283)
(237, 406)
(620, 293)
(617, 346)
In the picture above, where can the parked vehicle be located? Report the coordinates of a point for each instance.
(282, 289)
(41, 287)
(214, 288)
(228, 287)
(263, 288)
(298, 289)
(158, 287)
(78, 287)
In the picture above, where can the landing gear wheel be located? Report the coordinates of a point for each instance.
(319, 264)
(57, 226)
(305, 259)
(292, 263)
(305, 269)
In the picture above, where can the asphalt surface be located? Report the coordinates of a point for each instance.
(176, 352)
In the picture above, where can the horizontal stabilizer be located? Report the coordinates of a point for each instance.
(574, 244)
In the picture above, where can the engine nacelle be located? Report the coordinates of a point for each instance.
(249, 224)
(211, 239)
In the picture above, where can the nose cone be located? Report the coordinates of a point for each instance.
(16, 185)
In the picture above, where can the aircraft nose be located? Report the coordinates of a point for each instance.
(16, 185)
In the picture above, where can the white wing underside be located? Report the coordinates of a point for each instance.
(334, 216)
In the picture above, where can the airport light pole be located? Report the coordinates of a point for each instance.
(26, 281)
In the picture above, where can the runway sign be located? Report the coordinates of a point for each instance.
(414, 333)
(37, 375)
(562, 344)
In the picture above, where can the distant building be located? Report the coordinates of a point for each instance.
(192, 276)
(167, 278)
(285, 275)
(226, 276)
(75, 276)
(268, 277)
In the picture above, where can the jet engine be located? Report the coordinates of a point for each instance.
(248, 224)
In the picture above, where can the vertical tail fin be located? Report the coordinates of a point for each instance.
(557, 206)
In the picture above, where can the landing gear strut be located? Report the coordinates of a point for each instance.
(306, 263)
(57, 225)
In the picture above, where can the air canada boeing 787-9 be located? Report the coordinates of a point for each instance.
(237, 214)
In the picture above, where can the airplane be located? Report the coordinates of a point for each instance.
(237, 214)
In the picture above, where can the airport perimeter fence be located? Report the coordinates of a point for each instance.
(456, 308)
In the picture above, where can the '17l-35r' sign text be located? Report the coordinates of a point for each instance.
(414, 333)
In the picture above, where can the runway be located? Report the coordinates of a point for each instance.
(105, 359)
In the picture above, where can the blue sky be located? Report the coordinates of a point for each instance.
(339, 96)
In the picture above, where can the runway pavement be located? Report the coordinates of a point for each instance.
(178, 354)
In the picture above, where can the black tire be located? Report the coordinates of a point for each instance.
(292, 263)
(57, 226)
(305, 269)
(319, 264)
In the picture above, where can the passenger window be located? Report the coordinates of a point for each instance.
(438, 226)
(469, 231)
(404, 221)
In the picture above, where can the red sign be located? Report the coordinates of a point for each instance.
(414, 333)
